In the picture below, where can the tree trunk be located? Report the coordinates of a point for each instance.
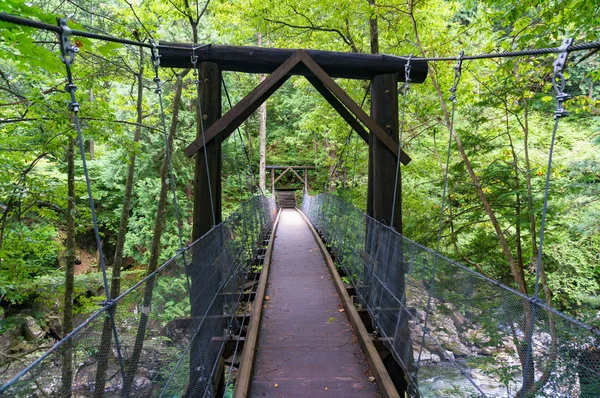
(516, 269)
(262, 134)
(67, 353)
(332, 154)
(115, 287)
(155, 248)
(373, 30)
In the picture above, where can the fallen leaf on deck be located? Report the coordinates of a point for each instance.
(325, 388)
(331, 320)
(371, 379)
(267, 298)
(341, 310)
(276, 385)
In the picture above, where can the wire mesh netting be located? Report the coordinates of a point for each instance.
(171, 327)
(454, 331)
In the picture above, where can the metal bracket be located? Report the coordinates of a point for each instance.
(407, 68)
(457, 73)
(67, 50)
(155, 54)
(407, 80)
(563, 54)
(558, 79)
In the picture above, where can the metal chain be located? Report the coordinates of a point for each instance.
(405, 89)
(68, 52)
(559, 84)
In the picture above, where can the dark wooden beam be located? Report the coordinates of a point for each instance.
(282, 174)
(339, 107)
(291, 167)
(382, 177)
(202, 219)
(243, 109)
(384, 110)
(353, 107)
(267, 60)
(210, 95)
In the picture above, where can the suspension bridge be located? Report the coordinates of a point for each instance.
(321, 300)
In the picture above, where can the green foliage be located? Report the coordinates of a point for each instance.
(504, 118)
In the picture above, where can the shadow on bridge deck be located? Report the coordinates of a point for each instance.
(307, 347)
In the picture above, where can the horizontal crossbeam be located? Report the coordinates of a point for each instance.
(243, 109)
(267, 60)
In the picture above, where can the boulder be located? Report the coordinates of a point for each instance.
(32, 330)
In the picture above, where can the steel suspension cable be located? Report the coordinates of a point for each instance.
(66, 30)
(519, 53)
(242, 141)
(559, 84)
(238, 163)
(400, 133)
(168, 145)
(457, 75)
(68, 52)
(362, 103)
(5, 17)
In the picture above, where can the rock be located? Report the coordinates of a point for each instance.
(457, 318)
(54, 326)
(32, 330)
(142, 385)
(9, 340)
(435, 358)
(449, 356)
(458, 349)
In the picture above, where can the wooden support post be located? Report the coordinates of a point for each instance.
(210, 98)
(273, 182)
(382, 175)
(203, 220)
(382, 163)
(306, 179)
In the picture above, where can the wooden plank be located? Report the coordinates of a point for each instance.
(341, 109)
(242, 385)
(243, 109)
(266, 60)
(386, 386)
(353, 106)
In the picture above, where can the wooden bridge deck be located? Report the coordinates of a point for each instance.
(306, 346)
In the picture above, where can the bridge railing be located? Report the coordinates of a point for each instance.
(171, 326)
(454, 331)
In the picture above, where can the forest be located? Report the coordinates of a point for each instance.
(50, 275)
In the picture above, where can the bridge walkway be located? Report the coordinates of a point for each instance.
(306, 346)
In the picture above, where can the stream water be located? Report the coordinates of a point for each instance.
(444, 379)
